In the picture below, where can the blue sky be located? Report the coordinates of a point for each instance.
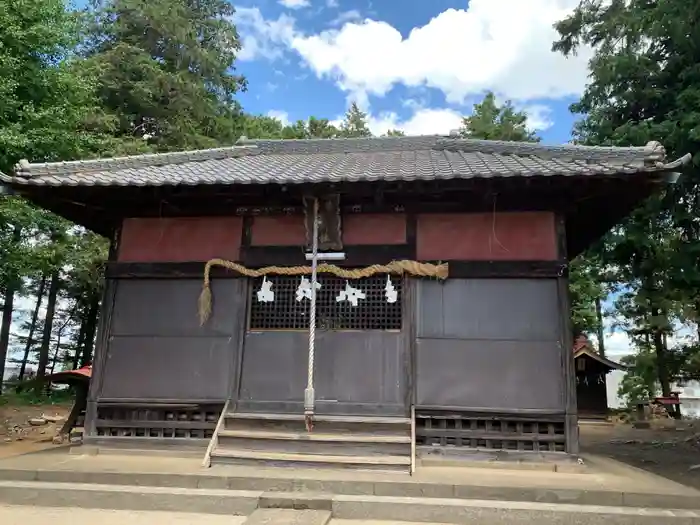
(416, 65)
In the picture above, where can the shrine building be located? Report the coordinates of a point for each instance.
(442, 318)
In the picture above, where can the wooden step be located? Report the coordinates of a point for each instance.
(237, 456)
(303, 436)
(322, 418)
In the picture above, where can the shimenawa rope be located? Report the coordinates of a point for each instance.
(439, 271)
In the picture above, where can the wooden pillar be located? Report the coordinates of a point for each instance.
(408, 339)
(104, 329)
(566, 343)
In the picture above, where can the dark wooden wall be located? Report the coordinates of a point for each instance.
(158, 351)
(489, 343)
(355, 372)
(474, 342)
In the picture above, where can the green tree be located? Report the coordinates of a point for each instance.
(163, 69)
(48, 111)
(395, 133)
(587, 291)
(644, 85)
(320, 129)
(355, 123)
(489, 121)
(265, 127)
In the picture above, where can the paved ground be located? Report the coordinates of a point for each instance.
(10, 515)
(72, 516)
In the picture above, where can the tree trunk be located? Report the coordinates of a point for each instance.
(55, 352)
(80, 343)
(59, 336)
(90, 330)
(32, 328)
(601, 331)
(48, 327)
(661, 357)
(7, 310)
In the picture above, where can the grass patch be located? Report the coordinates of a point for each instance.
(29, 397)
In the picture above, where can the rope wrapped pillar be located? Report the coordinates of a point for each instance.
(309, 393)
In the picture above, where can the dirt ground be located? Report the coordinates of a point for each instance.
(671, 450)
(18, 436)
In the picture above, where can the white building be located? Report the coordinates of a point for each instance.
(689, 393)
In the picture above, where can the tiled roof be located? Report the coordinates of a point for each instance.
(347, 160)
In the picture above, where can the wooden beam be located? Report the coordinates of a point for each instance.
(134, 423)
(567, 353)
(457, 269)
(104, 329)
(357, 255)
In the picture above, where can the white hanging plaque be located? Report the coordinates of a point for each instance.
(304, 289)
(390, 292)
(350, 294)
(265, 294)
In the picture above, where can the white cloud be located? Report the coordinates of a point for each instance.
(424, 121)
(280, 115)
(262, 38)
(295, 4)
(618, 344)
(331, 3)
(539, 117)
(502, 45)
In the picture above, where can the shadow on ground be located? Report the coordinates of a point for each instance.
(672, 451)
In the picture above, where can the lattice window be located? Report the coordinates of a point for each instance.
(374, 311)
(196, 422)
(500, 432)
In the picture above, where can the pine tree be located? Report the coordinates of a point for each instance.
(489, 121)
(163, 69)
(355, 123)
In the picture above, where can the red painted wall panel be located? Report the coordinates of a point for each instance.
(374, 228)
(289, 230)
(180, 239)
(282, 230)
(524, 236)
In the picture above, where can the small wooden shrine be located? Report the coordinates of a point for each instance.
(433, 316)
(591, 387)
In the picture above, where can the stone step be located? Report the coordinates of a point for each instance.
(284, 459)
(347, 444)
(288, 517)
(315, 436)
(322, 424)
(121, 497)
(320, 417)
(358, 507)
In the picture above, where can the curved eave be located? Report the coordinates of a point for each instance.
(597, 357)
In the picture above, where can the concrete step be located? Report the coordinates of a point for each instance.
(320, 417)
(315, 436)
(346, 444)
(323, 506)
(347, 482)
(288, 517)
(121, 497)
(322, 424)
(224, 456)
